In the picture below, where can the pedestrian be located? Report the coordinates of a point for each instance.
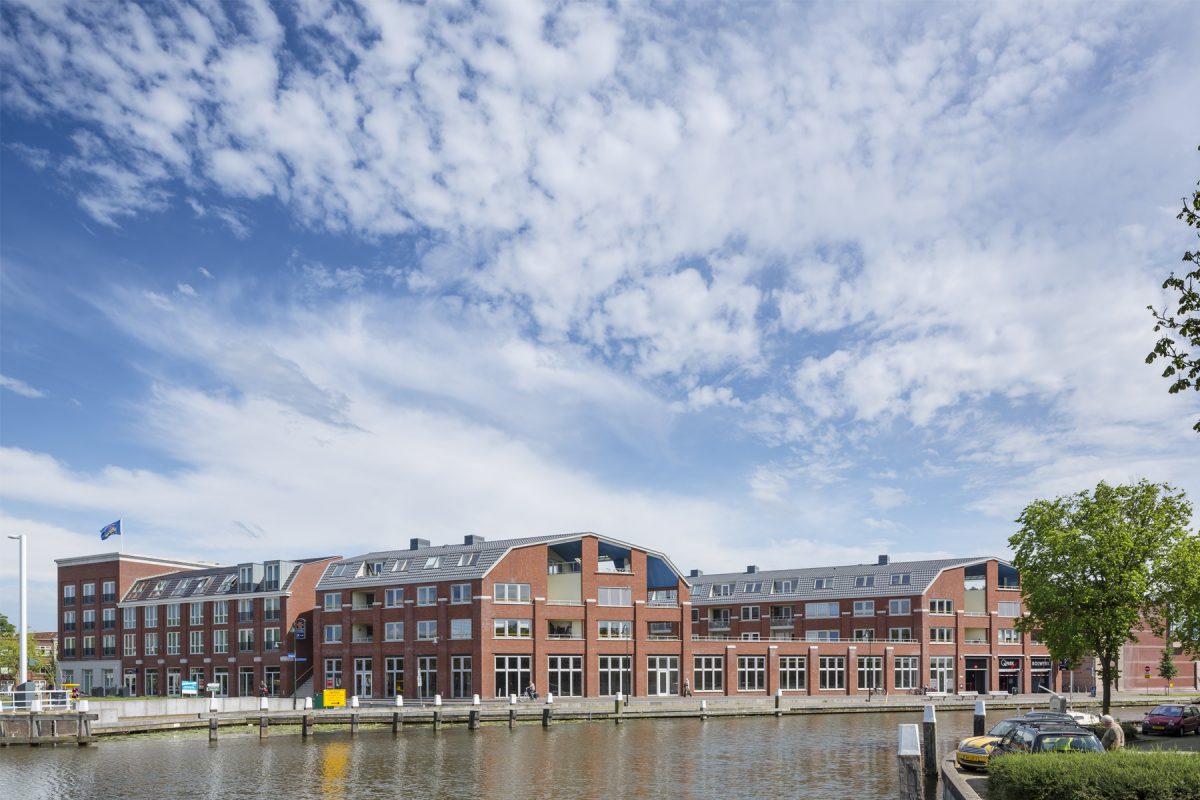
(262, 689)
(531, 691)
(687, 688)
(1114, 737)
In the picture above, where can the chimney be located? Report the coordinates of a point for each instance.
(696, 573)
(471, 538)
(750, 570)
(883, 560)
(417, 544)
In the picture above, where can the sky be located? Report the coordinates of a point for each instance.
(747, 283)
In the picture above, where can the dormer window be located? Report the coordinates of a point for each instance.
(864, 581)
(823, 583)
(722, 589)
(401, 565)
(784, 587)
(201, 585)
(271, 577)
(158, 589)
(468, 559)
(246, 578)
(902, 579)
(227, 583)
(183, 586)
(752, 587)
(371, 569)
(433, 562)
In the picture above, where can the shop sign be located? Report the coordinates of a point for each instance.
(1008, 662)
(1039, 663)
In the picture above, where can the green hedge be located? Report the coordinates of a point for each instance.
(1132, 730)
(1122, 775)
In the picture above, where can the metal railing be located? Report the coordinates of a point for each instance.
(37, 700)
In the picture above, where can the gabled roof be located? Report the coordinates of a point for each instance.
(920, 575)
(212, 583)
(401, 567)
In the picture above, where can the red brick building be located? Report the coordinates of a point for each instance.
(947, 625)
(576, 615)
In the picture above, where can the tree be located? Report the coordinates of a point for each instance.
(10, 649)
(1166, 666)
(1182, 329)
(1096, 565)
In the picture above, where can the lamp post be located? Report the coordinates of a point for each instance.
(23, 662)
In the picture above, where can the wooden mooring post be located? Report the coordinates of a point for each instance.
(473, 719)
(547, 716)
(618, 708)
(908, 757)
(397, 722)
(354, 724)
(212, 729)
(929, 741)
(980, 727)
(263, 723)
(306, 726)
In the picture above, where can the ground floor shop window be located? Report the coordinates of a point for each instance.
(941, 673)
(461, 678)
(333, 673)
(427, 678)
(870, 672)
(151, 683)
(393, 676)
(364, 685)
(662, 675)
(173, 678)
(708, 673)
(832, 672)
(513, 675)
(221, 679)
(565, 676)
(246, 682)
(906, 669)
(271, 677)
(752, 673)
(792, 673)
(616, 675)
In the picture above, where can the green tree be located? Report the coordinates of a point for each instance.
(1182, 329)
(1094, 566)
(10, 649)
(1166, 665)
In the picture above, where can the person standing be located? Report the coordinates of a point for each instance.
(1114, 737)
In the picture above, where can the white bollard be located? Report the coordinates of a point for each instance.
(549, 698)
(512, 699)
(437, 699)
(620, 697)
(475, 700)
(354, 701)
(262, 704)
(212, 705)
(35, 705)
(308, 704)
(81, 705)
(908, 756)
(399, 701)
(779, 692)
(703, 705)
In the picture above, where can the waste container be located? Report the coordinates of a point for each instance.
(319, 700)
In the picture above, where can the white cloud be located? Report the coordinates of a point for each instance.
(20, 387)
(888, 497)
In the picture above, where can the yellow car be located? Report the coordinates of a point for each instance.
(974, 751)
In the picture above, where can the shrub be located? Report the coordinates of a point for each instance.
(1132, 730)
(1127, 775)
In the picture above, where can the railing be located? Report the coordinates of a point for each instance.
(698, 638)
(662, 604)
(89, 599)
(243, 616)
(718, 625)
(108, 598)
(976, 641)
(663, 637)
(564, 567)
(564, 636)
(360, 639)
(43, 699)
(975, 613)
(563, 603)
(782, 622)
(1009, 587)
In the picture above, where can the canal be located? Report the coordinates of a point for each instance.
(817, 756)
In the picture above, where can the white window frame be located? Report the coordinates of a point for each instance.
(823, 610)
(393, 598)
(460, 628)
(906, 671)
(427, 595)
(511, 593)
(1008, 636)
(900, 635)
(614, 596)
(512, 628)
(220, 612)
(751, 613)
(751, 673)
(941, 635)
(941, 606)
(460, 593)
(393, 631)
(220, 641)
(1009, 608)
(614, 629)
(332, 633)
(427, 630)
(864, 608)
(333, 601)
(831, 673)
(708, 673)
(900, 606)
(793, 673)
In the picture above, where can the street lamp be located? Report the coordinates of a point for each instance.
(23, 662)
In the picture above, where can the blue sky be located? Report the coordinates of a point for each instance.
(792, 284)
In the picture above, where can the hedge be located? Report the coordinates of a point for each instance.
(1121, 775)
(1132, 730)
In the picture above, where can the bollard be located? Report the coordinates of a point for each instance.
(512, 699)
(929, 741)
(35, 729)
(212, 704)
(779, 702)
(980, 718)
(547, 713)
(354, 701)
(908, 756)
(703, 709)
(397, 721)
(308, 704)
(212, 729)
(549, 698)
(399, 701)
(437, 717)
(262, 704)
(473, 719)
(475, 700)
(512, 717)
(437, 700)
(263, 722)
(81, 705)
(306, 727)
(354, 724)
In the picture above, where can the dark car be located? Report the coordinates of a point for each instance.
(974, 751)
(1047, 738)
(1172, 718)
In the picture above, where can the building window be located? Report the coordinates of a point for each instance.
(822, 583)
(902, 579)
(270, 608)
(1009, 609)
(663, 631)
(196, 643)
(393, 598)
(941, 634)
(513, 675)
(221, 640)
(751, 613)
(752, 673)
(461, 677)
(221, 679)
(901, 606)
(941, 673)
(393, 676)
(174, 675)
(246, 578)
(68, 649)
(615, 629)
(512, 628)
(1008, 636)
(245, 611)
(783, 587)
(695, 616)
(333, 601)
(129, 618)
(614, 596)
(109, 646)
(460, 628)
(68, 594)
(89, 593)
(821, 610)
(173, 643)
(333, 633)
(245, 640)
(151, 648)
(870, 672)
(750, 636)
(512, 593)
(941, 606)
(433, 562)
(151, 616)
(864, 581)
(752, 587)
(173, 615)
(662, 598)
(393, 631)
(565, 676)
(220, 612)
(864, 608)
(108, 591)
(793, 673)
(130, 644)
(333, 673)
(900, 634)
(832, 672)
(468, 559)
(616, 675)
(460, 593)
(708, 673)
(906, 669)
(427, 677)
(427, 595)
(722, 589)
(718, 618)
(196, 614)
(662, 675)
(270, 639)
(864, 634)
(69, 620)
(427, 630)
(89, 618)
(246, 682)
(363, 678)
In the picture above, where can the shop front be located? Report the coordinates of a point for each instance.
(975, 674)
(1009, 672)
(1039, 673)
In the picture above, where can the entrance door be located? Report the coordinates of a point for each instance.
(362, 677)
(975, 676)
(130, 683)
(662, 675)
(172, 683)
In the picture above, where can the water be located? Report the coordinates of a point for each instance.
(818, 756)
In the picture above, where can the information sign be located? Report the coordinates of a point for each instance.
(335, 698)
(189, 687)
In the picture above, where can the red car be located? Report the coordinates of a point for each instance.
(1171, 718)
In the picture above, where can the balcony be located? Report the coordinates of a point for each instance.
(109, 598)
(68, 626)
(782, 622)
(68, 652)
(89, 599)
(563, 567)
(89, 652)
(975, 641)
(663, 599)
(243, 616)
(718, 625)
(109, 652)
(1009, 587)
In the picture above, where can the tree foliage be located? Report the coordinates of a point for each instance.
(10, 649)
(1094, 566)
(1181, 329)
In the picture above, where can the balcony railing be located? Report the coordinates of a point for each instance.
(110, 651)
(68, 652)
(360, 639)
(563, 568)
(975, 613)
(782, 622)
(1011, 587)
(662, 603)
(663, 637)
(789, 638)
(89, 651)
(89, 599)
(243, 616)
(718, 624)
(109, 598)
(68, 626)
(564, 636)
(975, 641)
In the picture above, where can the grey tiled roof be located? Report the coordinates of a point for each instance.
(191, 584)
(408, 566)
(921, 575)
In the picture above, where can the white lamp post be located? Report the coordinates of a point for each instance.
(23, 662)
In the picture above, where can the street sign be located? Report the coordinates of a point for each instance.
(300, 628)
(335, 698)
(189, 687)
(1147, 670)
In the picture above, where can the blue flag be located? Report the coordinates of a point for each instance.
(111, 529)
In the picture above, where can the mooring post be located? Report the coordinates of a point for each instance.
(703, 709)
(980, 718)
(263, 722)
(397, 722)
(929, 741)
(306, 727)
(618, 707)
(908, 757)
(779, 702)
(212, 729)
(437, 719)
(34, 729)
(354, 724)
(473, 719)
(512, 717)
(547, 713)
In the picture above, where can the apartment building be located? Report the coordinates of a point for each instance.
(948, 625)
(578, 615)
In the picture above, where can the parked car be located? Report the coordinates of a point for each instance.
(1033, 737)
(974, 751)
(1172, 718)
